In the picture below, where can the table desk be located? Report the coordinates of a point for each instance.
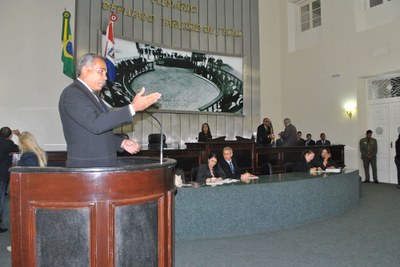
(266, 204)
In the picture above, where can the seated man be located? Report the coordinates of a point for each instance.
(230, 167)
(323, 141)
(309, 141)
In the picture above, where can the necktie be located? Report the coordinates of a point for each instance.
(231, 166)
(103, 106)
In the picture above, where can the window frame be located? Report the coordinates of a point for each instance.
(314, 19)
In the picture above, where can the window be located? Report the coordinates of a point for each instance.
(373, 3)
(310, 14)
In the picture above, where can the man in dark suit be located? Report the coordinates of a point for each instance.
(88, 124)
(309, 141)
(229, 165)
(323, 141)
(7, 148)
(265, 133)
(300, 140)
(289, 135)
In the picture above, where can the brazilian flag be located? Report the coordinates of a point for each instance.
(67, 54)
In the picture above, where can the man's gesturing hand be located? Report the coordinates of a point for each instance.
(141, 102)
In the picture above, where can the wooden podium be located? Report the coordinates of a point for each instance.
(120, 216)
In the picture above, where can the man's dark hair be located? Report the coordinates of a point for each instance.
(5, 132)
(369, 132)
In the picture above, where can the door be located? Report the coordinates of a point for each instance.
(394, 133)
(379, 123)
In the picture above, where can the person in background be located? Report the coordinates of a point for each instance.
(210, 172)
(323, 141)
(205, 133)
(289, 134)
(265, 133)
(300, 141)
(397, 160)
(230, 167)
(7, 148)
(309, 141)
(306, 163)
(31, 153)
(88, 123)
(279, 141)
(369, 149)
(326, 162)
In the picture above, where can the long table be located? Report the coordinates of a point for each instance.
(267, 204)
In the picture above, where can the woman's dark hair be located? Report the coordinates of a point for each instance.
(209, 130)
(327, 150)
(212, 155)
(5, 132)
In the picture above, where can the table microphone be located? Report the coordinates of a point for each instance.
(161, 137)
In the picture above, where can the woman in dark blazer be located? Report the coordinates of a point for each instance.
(205, 133)
(210, 172)
(326, 162)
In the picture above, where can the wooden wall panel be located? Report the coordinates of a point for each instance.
(237, 14)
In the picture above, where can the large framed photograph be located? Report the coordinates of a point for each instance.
(189, 81)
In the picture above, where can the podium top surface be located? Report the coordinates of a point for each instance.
(124, 164)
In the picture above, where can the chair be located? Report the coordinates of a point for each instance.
(155, 140)
(269, 167)
(193, 173)
(266, 168)
(288, 167)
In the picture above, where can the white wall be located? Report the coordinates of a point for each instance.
(311, 97)
(31, 77)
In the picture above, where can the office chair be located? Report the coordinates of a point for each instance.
(193, 173)
(154, 141)
(288, 167)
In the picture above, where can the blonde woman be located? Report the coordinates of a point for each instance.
(31, 153)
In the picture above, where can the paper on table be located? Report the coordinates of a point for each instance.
(225, 181)
(333, 170)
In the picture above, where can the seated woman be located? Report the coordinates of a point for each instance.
(210, 172)
(31, 153)
(306, 163)
(326, 162)
(205, 133)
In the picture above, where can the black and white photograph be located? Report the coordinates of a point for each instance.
(187, 81)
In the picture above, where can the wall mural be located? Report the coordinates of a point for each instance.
(188, 81)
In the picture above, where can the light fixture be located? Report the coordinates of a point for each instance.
(350, 108)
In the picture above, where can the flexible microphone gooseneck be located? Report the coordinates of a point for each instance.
(161, 137)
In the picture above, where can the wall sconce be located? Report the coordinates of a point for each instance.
(350, 109)
(349, 113)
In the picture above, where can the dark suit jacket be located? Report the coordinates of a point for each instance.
(330, 163)
(310, 143)
(290, 136)
(203, 173)
(262, 135)
(88, 128)
(227, 170)
(319, 143)
(203, 137)
(303, 166)
(7, 146)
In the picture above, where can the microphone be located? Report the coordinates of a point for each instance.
(161, 137)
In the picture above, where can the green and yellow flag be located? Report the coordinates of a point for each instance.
(67, 54)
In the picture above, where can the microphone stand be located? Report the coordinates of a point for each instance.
(161, 137)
